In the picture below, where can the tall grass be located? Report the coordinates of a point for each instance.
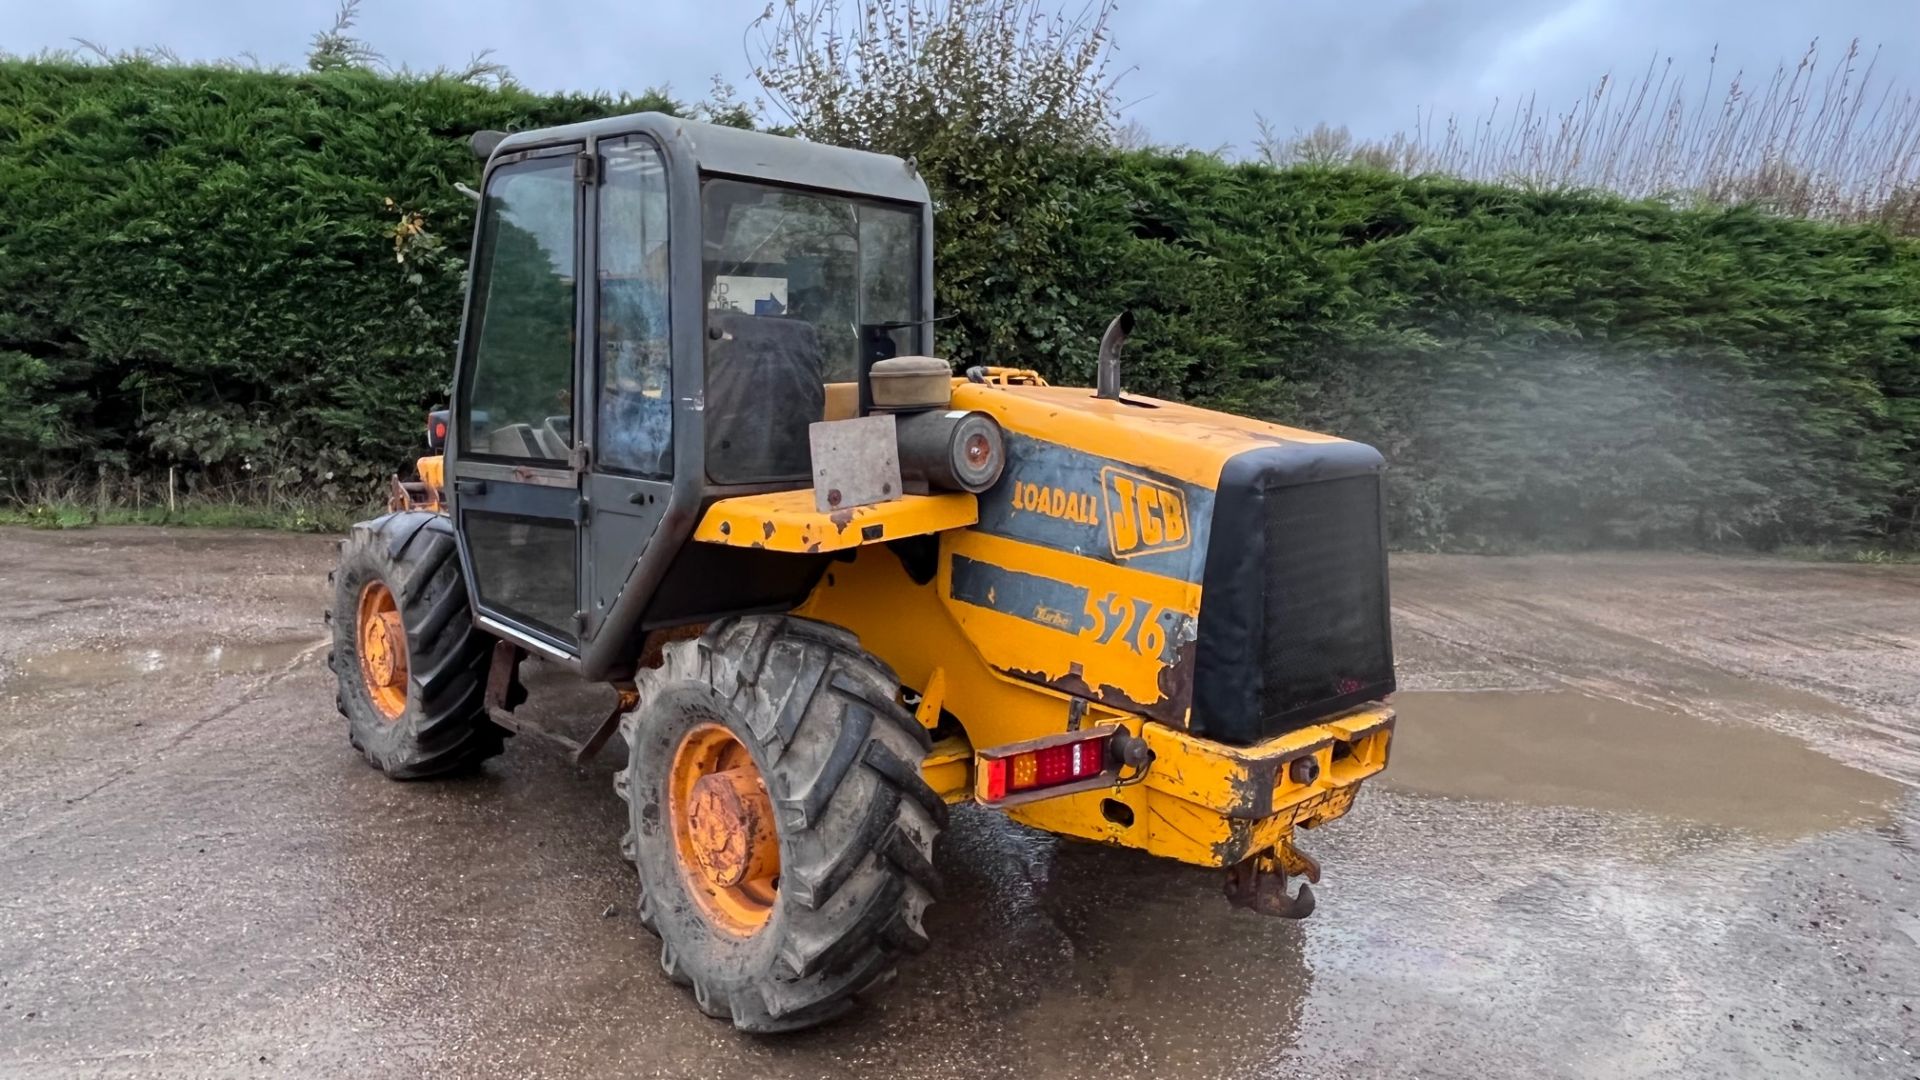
(120, 499)
(1816, 139)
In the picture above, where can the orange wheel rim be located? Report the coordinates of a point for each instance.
(383, 650)
(723, 830)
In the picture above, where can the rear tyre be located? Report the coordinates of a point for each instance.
(411, 667)
(784, 720)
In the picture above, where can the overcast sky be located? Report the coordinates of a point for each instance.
(1202, 68)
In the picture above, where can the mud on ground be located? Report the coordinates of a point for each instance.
(1647, 816)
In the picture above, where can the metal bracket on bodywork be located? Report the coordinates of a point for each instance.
(502, 675)
(1260, 883)
(855, 462)
(629, 697)
(503, 670)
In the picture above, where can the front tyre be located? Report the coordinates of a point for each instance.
(411, 667)
(778, 820)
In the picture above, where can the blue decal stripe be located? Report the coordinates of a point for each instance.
(1041, 600)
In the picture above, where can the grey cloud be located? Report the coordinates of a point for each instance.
(1202, 68)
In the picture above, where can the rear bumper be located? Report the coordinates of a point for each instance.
(1249, 791)
(1210, 804)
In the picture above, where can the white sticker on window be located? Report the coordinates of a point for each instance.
(750, 295)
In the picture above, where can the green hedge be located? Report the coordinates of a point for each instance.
(1539, 368)
(198, 267)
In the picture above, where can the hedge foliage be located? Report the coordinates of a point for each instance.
(201, 267)
(235, 271)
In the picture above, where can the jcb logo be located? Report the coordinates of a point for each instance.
(1143, 515)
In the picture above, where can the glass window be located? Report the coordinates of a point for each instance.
(800, 286)
(890, 280)
(525, 567)
(636, 361)
(518, 398)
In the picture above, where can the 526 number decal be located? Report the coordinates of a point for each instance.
(1143, 627)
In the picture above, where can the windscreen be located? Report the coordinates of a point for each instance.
(800, 287)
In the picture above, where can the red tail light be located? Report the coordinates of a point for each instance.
(1034, 769)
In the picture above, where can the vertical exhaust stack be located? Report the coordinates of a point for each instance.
(1107, 382)
(483, 143)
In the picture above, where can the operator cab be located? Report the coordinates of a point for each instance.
(658, 309)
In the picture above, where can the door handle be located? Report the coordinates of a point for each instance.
(470, 487)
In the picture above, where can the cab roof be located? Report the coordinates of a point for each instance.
(754, 155)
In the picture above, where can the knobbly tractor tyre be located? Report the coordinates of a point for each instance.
(411, 666)
(778, 820)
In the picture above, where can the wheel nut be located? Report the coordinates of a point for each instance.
(731, 822)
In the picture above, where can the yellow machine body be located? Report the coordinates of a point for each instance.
(1068, 598)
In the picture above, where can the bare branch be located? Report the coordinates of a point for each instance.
(891, 75)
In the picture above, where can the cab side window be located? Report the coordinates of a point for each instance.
(636, 358)
(518, 401)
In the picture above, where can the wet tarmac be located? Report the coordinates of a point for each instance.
(1647, 816)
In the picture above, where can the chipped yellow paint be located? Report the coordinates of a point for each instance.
(1201, 802)
(787, 521)
(1097, 650)
(1011, 675)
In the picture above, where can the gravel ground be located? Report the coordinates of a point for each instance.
(1648, 816)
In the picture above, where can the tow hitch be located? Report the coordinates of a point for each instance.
(1260, 883)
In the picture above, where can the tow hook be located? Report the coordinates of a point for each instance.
(1260, 883)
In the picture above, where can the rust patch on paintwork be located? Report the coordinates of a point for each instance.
(766, 529)
(1252, 790)
(653, 652)
(1176, 682)
(1254, 785)
(841, 519)
(813, 547)
(1232, 848)
(1112, 697)
(726, 528)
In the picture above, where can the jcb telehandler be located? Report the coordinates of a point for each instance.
(696, 450)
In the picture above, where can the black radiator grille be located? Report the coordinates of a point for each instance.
(1325, 598)
(1294, 623)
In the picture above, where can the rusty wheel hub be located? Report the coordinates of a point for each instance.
(731, 823)
(723, 829)
(382, 633)
(382, 641)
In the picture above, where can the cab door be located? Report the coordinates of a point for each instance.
(629, 480)
(516, 496)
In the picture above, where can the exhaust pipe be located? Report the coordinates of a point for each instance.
(1107, 375)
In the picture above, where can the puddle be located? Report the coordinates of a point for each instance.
(1562, 748)
(86, 667)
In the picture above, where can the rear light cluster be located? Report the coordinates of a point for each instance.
(1010, 773)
